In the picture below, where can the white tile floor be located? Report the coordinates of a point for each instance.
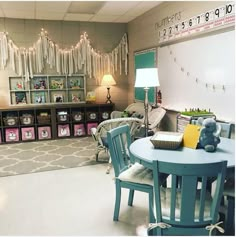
(76, 201)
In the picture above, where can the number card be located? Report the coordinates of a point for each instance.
(185, 27)
(177, 31)
(171, 32)
(220, 16)
(229, 13)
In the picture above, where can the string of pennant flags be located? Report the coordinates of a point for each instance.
(80, 57)
(197, 80)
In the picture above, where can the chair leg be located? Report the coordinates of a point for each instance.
(152, 218)
(230, 217)
(131, 197)
(97, 152)
(117, 202)
(109, 166)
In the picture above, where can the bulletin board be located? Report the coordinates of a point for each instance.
(200, 73)
(145, 59)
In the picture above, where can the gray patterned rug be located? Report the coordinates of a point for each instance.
(30, 157)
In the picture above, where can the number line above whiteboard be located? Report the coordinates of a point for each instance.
(218, 18)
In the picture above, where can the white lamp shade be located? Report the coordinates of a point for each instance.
(108, 80)
(147, 77)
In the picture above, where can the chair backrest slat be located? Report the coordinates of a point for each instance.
(118, 141)
(188, 194)
(202, 197)
(174, 181)
(191, 205)
(225, 129)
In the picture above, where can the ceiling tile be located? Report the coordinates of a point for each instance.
(87, 7)
(20, 14)
(117, 8)
(78, 17)
(141, 8)
(103, 11)
(55, 6)
(17, 5)
(124, 19)
(103, 18)
(49, 15)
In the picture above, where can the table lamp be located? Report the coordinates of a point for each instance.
(108, 81)
(146, 78)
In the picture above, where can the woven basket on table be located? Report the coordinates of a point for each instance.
(167, 140)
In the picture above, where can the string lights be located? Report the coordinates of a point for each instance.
(81, 57)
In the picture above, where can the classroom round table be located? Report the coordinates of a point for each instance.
(144, 153)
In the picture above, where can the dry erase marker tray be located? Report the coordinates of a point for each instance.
(167, 140)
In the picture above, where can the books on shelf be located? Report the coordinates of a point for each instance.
(39, 83)
(57, 83)
(42, 89)
(75, 83)
(18, 86)
(20, 97)
(58, 98)
(39, 97)
(75, 97)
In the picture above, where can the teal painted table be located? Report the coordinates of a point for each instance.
(144, 153)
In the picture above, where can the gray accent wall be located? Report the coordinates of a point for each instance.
(103, 36)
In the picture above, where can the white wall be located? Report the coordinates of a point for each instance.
(143, 35)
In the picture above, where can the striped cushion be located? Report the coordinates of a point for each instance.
(137, 173)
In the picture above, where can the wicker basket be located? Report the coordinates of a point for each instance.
(44, 119)
(27, 119)
(77, 116)
(167, 140)
(63, 118)
(91, 116)
(10, 121)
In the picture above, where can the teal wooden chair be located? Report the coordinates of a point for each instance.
(225, 129)
(130, 176)
(229, 193)
(229, 188)
(187, 210)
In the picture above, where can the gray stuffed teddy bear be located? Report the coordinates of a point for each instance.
(209, 134)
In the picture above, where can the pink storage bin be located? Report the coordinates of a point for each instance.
(0, 136)
(12, 134)
(79, 130)
(91, 125)
(44, 132)
(27, 134)
(63, 130)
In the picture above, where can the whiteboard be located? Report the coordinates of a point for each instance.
(200, 73)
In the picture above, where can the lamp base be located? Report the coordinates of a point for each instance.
(108, 101)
